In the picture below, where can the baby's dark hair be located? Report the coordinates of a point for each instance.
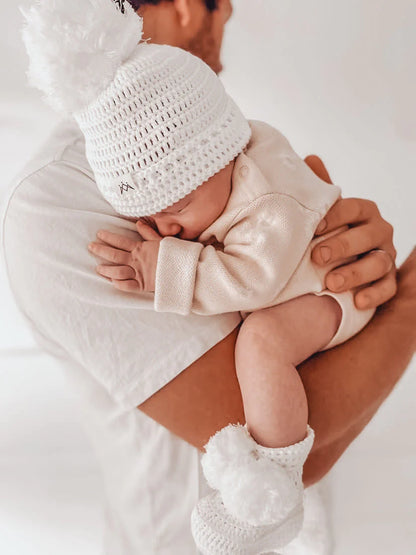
(211, 4)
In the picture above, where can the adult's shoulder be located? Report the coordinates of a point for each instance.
(64, 148)
(54, 211)
(55, 190)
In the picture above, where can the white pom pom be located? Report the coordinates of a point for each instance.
(231, 446)
(76, 46)
(260, 492)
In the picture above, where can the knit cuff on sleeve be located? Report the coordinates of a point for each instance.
(175, 275)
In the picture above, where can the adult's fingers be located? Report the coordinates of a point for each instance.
(349, 211)
(116, 240)
(378, 293)
(363, 271)
(110, 254)
(353, 242)
(116, 272)
(318, 167)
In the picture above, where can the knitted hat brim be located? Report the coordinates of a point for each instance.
(137, 194)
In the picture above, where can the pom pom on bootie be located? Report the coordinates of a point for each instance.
(259, 492)
(231, 446)
(258, 485)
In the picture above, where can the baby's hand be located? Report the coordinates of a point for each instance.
(134, 263)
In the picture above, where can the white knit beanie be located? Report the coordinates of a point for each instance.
(156, 119)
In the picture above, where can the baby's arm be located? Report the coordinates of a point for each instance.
(261, 251)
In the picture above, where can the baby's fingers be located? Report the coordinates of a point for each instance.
(115, 240)
(116, 272)
(147, 232)
(108, 253)
(129, 285)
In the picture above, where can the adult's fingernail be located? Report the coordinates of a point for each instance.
(325, 253)
(321, 226)
(337, 280)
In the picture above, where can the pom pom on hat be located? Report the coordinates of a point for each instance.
(157, 120)
(75, 48)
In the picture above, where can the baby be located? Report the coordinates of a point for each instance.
(242, 241)
(227, 212)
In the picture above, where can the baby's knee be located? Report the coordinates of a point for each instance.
(257, 330)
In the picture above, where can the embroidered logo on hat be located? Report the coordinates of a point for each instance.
(120, 4)
(124, 187)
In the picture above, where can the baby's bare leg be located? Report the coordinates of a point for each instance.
(270, 344)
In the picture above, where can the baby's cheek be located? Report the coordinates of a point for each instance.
(190, 233)
(194, 225)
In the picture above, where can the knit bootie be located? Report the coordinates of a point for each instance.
(257, 486)
(217, 532)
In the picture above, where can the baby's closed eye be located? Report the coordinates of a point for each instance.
(148, 221)
(183, 208)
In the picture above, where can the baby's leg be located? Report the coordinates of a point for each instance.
(270, 344)
(258, 473)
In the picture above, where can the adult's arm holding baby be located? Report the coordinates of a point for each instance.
(345, 386)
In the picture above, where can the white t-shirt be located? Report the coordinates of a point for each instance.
(115, 350)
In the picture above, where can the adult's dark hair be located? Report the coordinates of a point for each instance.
(211, 4)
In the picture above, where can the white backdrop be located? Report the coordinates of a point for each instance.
(338, 78)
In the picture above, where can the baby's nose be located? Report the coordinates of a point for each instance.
(168, 229)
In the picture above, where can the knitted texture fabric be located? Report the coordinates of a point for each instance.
(217, 532)
(258, 505)
(157, 120)
(259, 485)
(291, 458)
(161, 129)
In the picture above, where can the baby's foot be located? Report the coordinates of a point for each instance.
(217, 532)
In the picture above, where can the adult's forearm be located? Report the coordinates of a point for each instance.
(344, 385)
(352, 380)
(344, 398)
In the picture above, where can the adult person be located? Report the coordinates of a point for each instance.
(183, 380)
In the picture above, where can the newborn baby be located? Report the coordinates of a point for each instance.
(242, 242)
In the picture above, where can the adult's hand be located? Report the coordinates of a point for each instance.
(373, 275)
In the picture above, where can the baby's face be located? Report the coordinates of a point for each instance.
(190, 216)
